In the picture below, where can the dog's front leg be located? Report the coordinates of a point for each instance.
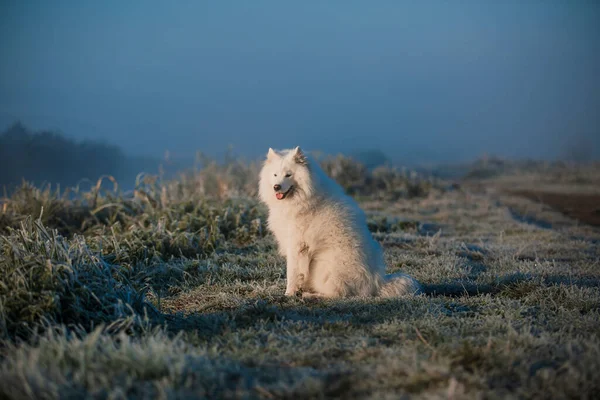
(292, 274)
(297, 269)
(303, 265)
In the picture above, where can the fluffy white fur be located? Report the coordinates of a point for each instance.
(323, 233)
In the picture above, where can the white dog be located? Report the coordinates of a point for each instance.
(323, 233)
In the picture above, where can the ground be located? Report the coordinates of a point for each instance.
(169, 296)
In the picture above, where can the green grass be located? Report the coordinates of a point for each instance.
(176, 291)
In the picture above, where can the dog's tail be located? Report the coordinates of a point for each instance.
(399, 284)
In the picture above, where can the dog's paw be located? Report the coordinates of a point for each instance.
(312, 295)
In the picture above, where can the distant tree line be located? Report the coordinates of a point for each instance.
(51, 158)
(48, 157)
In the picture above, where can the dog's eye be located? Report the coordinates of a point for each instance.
(274, 174)
(288, 175)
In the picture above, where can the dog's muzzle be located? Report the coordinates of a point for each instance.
(281, 195)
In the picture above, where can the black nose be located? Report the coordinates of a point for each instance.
(277, 187)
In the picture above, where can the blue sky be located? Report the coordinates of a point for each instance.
(429, 80)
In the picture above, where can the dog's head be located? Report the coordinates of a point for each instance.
(285, 176)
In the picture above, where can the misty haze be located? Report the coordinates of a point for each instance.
(300, 200)
(426, 82)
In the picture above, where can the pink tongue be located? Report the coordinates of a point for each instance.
(279, 196)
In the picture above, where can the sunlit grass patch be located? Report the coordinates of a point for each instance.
(175, 290)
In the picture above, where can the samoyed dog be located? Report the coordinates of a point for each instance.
(323, 233)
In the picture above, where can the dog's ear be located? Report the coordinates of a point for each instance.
(299, 156)
(272, 154)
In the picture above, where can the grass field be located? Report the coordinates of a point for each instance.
(176, 291)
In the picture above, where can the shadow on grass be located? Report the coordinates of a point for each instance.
(281, 309)
(461, 288)
(357, 312)
(342, 315)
